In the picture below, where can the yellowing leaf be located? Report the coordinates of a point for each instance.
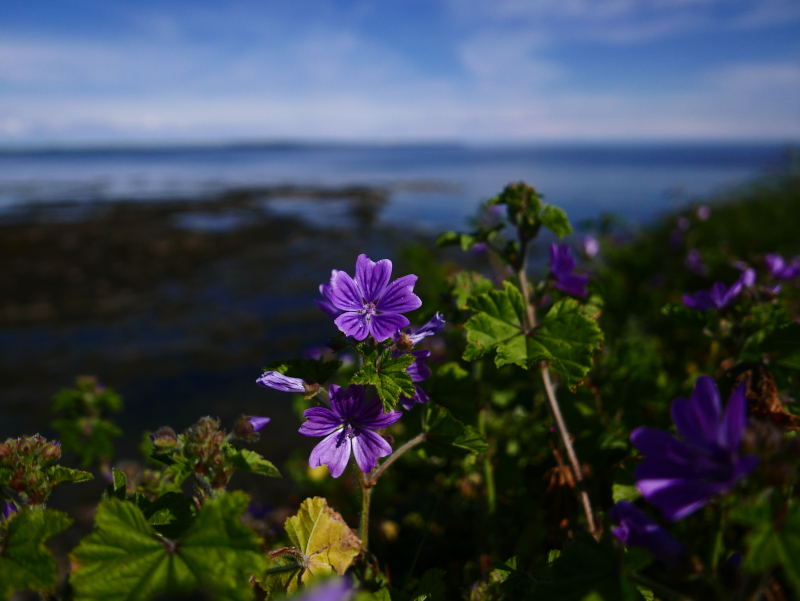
(327, 543)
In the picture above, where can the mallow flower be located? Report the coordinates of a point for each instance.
(590, 246)
(637, 529)
(562, 264)
(418, 372)
(348, 426)
(370, 304)
(278, 381)
(718, 297)
(780, 269)
(679, 476)
(407, 340)
(694, 262)
(325, 290)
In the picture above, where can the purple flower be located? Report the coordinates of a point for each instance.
(718, 297)
(276, 380)
(9, 510)
(561, 267)
(780, 269)
(335, 589)
(680, 476)
(418, 372)
(349, 423)
(370, 304)
(637, 529)
(683, 224)
(748, 277)
(590, 246)
(326, 289)
(407, 341)
(703, 212)
(694, 262)
(258, 422)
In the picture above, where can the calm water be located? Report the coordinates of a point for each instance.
(430, 186)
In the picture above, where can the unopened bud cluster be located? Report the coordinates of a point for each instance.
(26, 457)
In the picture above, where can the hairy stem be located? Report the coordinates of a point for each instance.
(363, 525)
(376, 473)
(555, 410)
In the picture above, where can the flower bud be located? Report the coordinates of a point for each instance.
(51, 452)
(164, 438)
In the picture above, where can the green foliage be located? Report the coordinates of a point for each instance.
(126, 559)
(450, 435)
(773, 540)
(25, 561)
(324, 545)
(202, 451)
(555, 220)
(86, 428)
(785, 342)
(467, 241)
(566, 337)
(466, 284)
(386, 373)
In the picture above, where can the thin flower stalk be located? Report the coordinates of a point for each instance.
(555, 410)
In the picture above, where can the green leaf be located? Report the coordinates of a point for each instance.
(171, 514)
(566, 337)
(125, 559)
(785, 342)
(25, 561)
(466, 284)
(387, 374)
(246, 460)
(555, 220)
(771, 542)
(624, 488)
(311, 370)
(118, 487)
(685, 316)
(57, 474)
(282, 576)
(430, 587)
(446, 432)
(326, 543)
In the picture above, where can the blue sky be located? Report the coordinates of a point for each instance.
(395, 70)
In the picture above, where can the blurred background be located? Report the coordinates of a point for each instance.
(176, 179)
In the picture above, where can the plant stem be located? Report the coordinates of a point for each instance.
(376, 473)
(488, 468)
(555, 410)
(366, 493)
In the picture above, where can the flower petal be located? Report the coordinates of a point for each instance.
(418, 370)
(434, 326)
(329, 308)
(333, 451)
(408, 402)
(348, 402)
(383, 325)
(368, 447)
(735, 419)
(321, 422)
(277, 381)
(677, 498)
(372, 277)
(399, 296)
(345, 294)
(353, 324)
(573, 284)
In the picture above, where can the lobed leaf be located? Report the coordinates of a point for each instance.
(126, 559)
(246, 460)
(555, 220)
(58, 474)
(387, 374)
(25, 561)
(448, 433)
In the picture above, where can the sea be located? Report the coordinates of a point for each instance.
(432, 187)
